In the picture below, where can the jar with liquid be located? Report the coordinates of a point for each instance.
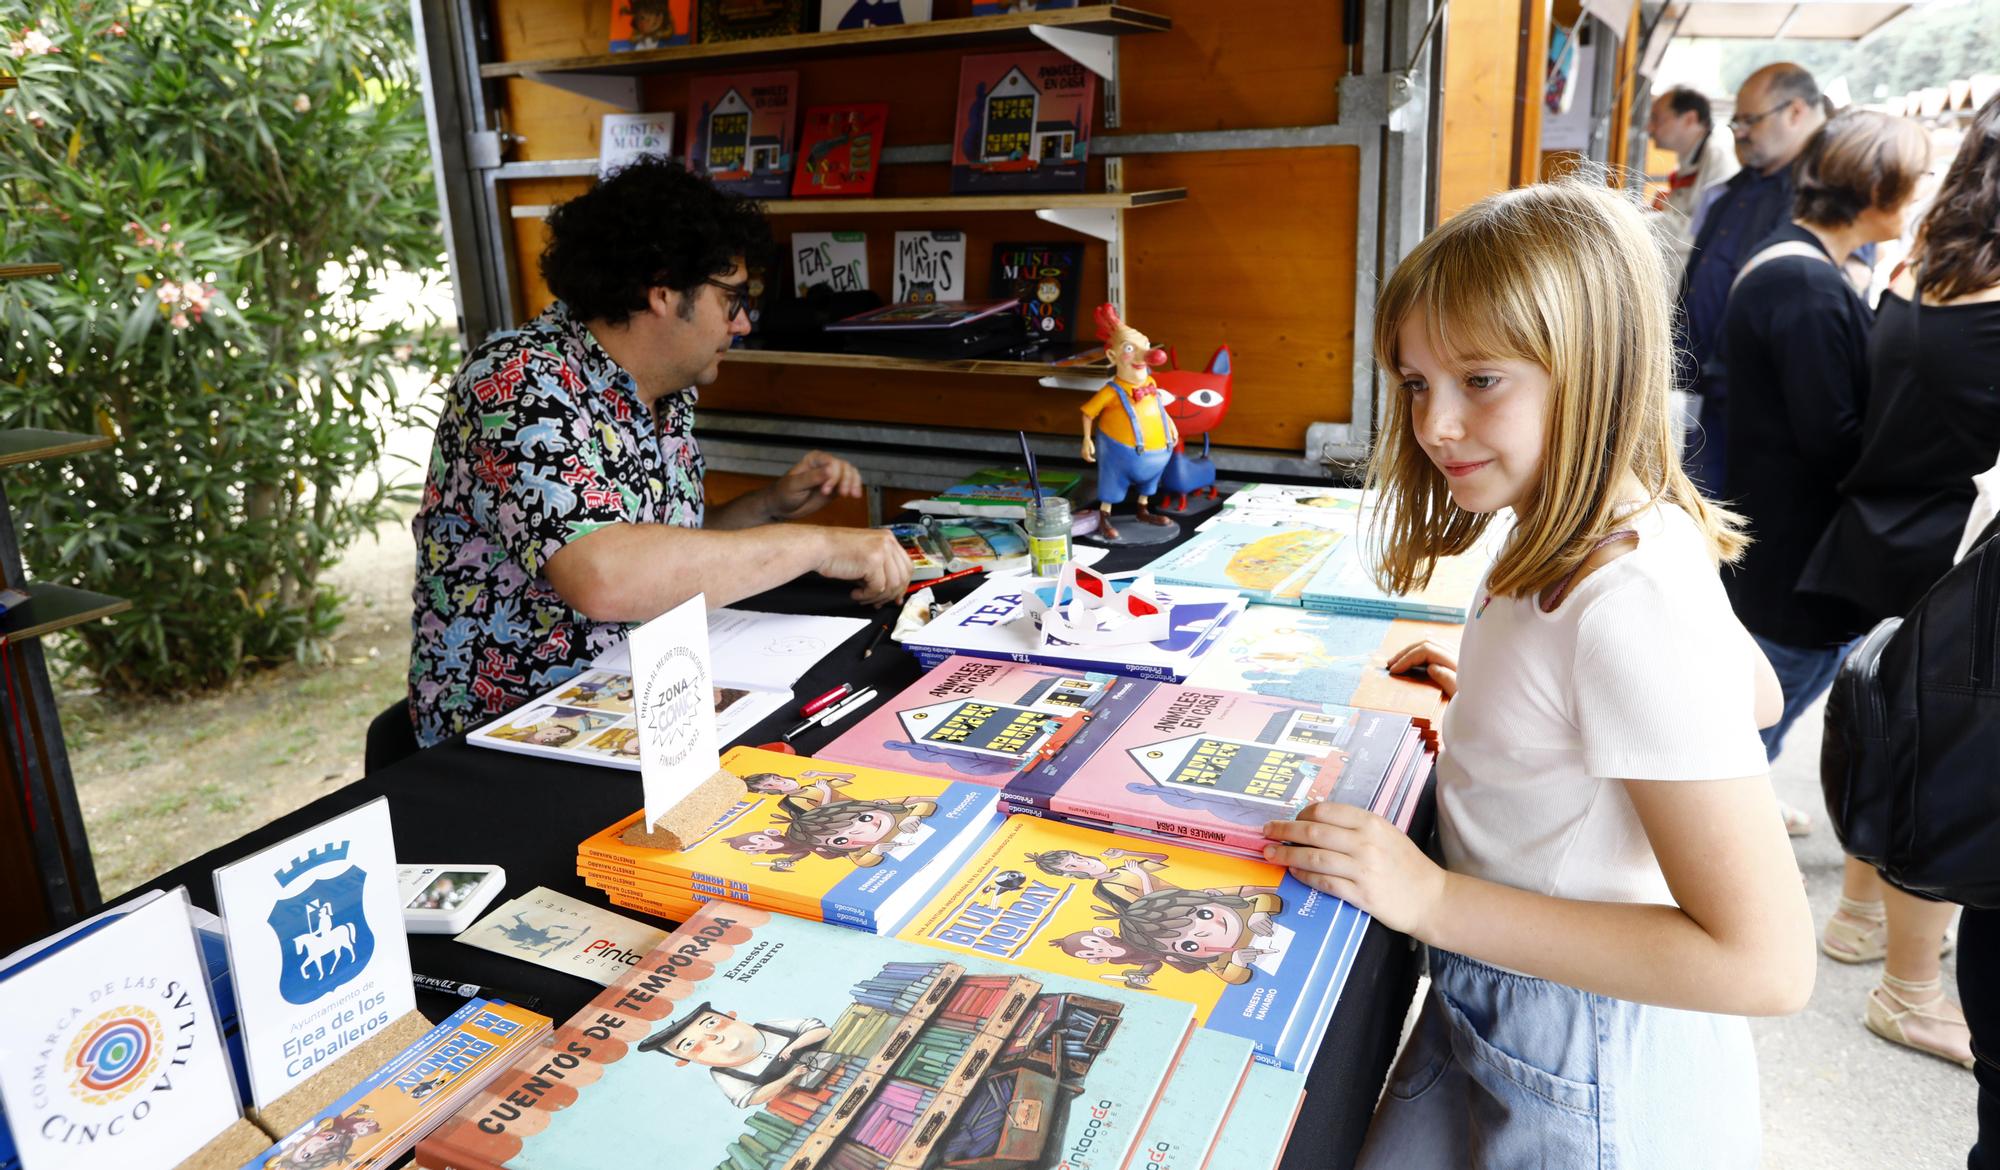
(1047, 525)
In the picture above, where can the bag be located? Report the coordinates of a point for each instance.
(1911, 760)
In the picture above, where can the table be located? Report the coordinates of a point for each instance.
(454, 803)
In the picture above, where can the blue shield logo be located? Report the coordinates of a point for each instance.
(323, 936)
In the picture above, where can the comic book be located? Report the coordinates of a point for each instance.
(377, 1121)
(1216, 766)
(1198, 1096)
(651, 24)
(1327, 658)
(1346, 584)
(1249, 946)
(840, 149)
(930, 267)
(751, 1041)
(997, 620)
(1271, 565)
(740, 126)
(1023, 123)
(1044, 279)
(858, 846)
(588, 720)
(1259, 1127)
(975, 720)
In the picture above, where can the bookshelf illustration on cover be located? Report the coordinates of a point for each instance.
(1023, 123)
(1253, 950)
(754, 1042)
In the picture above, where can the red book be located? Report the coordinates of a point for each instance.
(840, 148)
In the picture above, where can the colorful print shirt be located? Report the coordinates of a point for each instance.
(542, 440)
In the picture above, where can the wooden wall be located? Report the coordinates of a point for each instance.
(1261, 255)
(1491, 123)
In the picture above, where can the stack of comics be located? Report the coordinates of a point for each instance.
(857, 847)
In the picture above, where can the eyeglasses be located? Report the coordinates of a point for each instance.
(738, 299)
(1739, 122)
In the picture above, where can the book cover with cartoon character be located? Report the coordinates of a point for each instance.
(1249, 946)
(1043, 278)
(1271, 566)
(741, 128)
(975, 720)
(377, 1121)
(1215, 766)
(854, 845)
(1023, 123)
(750, 1041)
(651, 24)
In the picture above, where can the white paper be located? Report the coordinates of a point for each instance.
(839, 259)
(315, 931)
(563, 934)
(109, 1051)
(754, 651)
(673, 700)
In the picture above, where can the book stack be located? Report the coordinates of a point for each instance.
(1267, 564)
(997, 493)
(1345, 584)
(1001, 620)
(754, 1041)
(1258, 954)
(377, 1121)
(856, 847)
(1327, 658)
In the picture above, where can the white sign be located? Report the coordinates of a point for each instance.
(315, 931)
(838, 260)
(930, 267)
(109, 1051)
(673, 692)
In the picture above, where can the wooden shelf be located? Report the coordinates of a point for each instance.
(1013, 27)
(18, 271)
(28, 444)
(867, 361)
(1031, 201)
(50, 608)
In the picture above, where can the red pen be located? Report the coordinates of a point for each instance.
(916, 585)
(827, 700)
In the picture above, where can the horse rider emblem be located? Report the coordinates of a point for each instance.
(323, 935)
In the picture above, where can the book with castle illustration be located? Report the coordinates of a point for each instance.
(857, 846)
(1215, 766)
(1257, 953)
(753, 1041)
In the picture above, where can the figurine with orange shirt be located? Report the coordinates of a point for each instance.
(1130, 445)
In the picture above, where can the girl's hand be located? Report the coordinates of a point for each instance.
(1359, 857)
(1438, 661)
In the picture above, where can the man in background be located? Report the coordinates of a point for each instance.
(1682, 121)
(1777, 109)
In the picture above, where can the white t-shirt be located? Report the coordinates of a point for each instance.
(1642, 673)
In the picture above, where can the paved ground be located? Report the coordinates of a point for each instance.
(1835, 1096)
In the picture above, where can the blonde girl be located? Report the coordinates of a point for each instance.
(1617, 889)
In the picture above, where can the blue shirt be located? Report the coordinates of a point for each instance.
(1751, 206)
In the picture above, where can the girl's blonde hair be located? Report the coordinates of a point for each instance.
(1568, 276)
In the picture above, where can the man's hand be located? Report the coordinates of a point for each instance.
(810, 483)
(869, 556)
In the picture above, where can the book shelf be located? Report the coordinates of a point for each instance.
(1099, 201)
(1081, 32)
(47, 879)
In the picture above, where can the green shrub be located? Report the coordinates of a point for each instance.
(226, 185)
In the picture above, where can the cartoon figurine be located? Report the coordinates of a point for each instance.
(1137, 438)
(1199, 400)
(750, 1063)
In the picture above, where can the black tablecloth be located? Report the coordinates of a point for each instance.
(454, 804)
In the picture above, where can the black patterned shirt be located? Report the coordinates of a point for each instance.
(542, 440)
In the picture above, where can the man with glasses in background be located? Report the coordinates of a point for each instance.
(1777, 109)
(564, 496)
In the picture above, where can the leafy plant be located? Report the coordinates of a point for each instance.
(226, 186)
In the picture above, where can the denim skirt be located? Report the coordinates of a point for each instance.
(1507, 1070)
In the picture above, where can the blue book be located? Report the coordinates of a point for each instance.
(1270, 565)
(1197, 1098)
(1345, 583)
(757, 1042)
(1255, 1132)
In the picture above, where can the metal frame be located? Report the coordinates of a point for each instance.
(1385, 114)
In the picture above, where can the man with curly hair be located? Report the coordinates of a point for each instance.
(564, 496)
